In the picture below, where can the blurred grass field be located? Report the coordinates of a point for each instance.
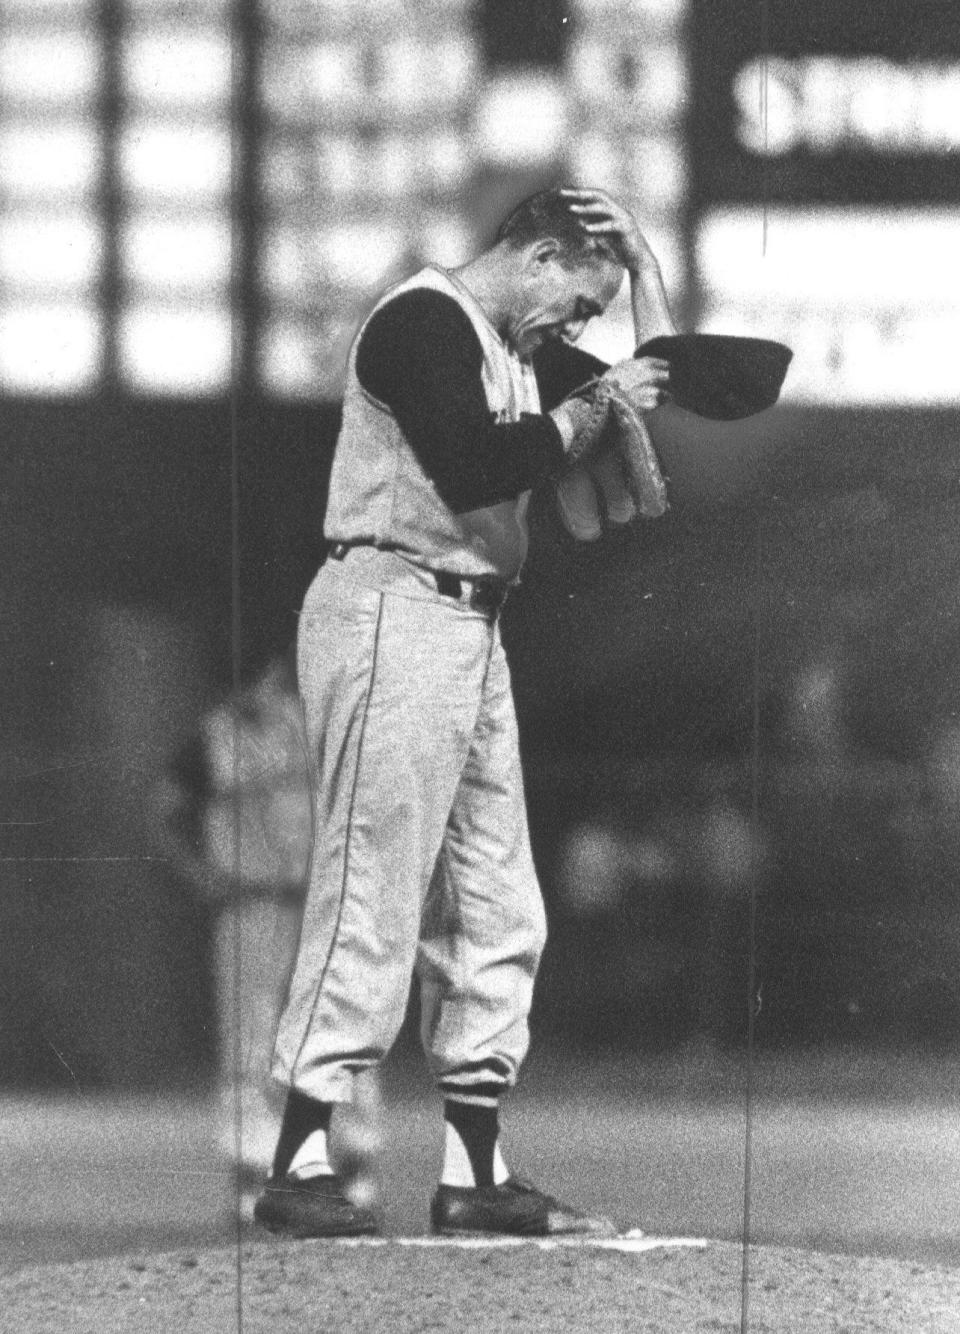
(848, 1153)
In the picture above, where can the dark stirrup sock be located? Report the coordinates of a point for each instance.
(301, 1117)
(479, 1128)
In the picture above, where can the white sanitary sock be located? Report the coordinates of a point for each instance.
(312, 1158)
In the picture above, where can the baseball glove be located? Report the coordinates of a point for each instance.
(613, 473)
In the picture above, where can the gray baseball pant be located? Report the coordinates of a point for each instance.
(421, 857)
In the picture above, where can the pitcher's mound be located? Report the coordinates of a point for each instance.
(398, 1286)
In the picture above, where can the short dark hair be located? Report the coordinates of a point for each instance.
(548, 214)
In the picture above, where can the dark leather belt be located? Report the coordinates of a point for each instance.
(485, 593)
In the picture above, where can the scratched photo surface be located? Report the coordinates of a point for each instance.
(739, 721)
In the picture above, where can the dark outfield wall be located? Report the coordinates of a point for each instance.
(819, 547)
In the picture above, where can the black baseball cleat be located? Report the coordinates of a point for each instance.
(514, 1209)
(313, 1207)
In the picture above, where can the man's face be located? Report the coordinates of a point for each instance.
(555, 302)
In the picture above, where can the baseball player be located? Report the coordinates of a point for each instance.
(457, 403)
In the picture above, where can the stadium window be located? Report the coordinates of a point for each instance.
(164, 68)
(298, 80)
(53, 162)
(176, 162)
(339, 163)
(658, 171)
(183, 183)
(288, 358)
(49, 349)
(174, 350)
(49, 68)
(523, 120)
(49, 253)
(363, 167)
(284, 263)
(302, 356)
(49, 9)
(116, 161)
(365, 254)
(447, 161)
(308, 265)
(628, 86)
(51, 246)
(632, 77)
(447, 238)
(179, 255)
(393, 166)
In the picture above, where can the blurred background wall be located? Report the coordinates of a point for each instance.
(756, 695)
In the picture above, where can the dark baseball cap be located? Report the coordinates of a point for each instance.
(721, 376)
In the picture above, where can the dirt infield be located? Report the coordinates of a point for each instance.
(119, 1214)
(392, 1288)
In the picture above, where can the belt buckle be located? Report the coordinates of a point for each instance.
(487, 595)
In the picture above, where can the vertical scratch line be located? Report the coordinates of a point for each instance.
(752, 1004)
(755, 749)
(765, 112)
(752, 998)
(755, 754)
(241, 91)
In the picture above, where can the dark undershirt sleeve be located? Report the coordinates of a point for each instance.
(560, 368)
(420, 356)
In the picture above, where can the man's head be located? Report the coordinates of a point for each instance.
(549, 215)
(564, 276)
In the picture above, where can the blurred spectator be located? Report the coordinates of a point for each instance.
(235, 814)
